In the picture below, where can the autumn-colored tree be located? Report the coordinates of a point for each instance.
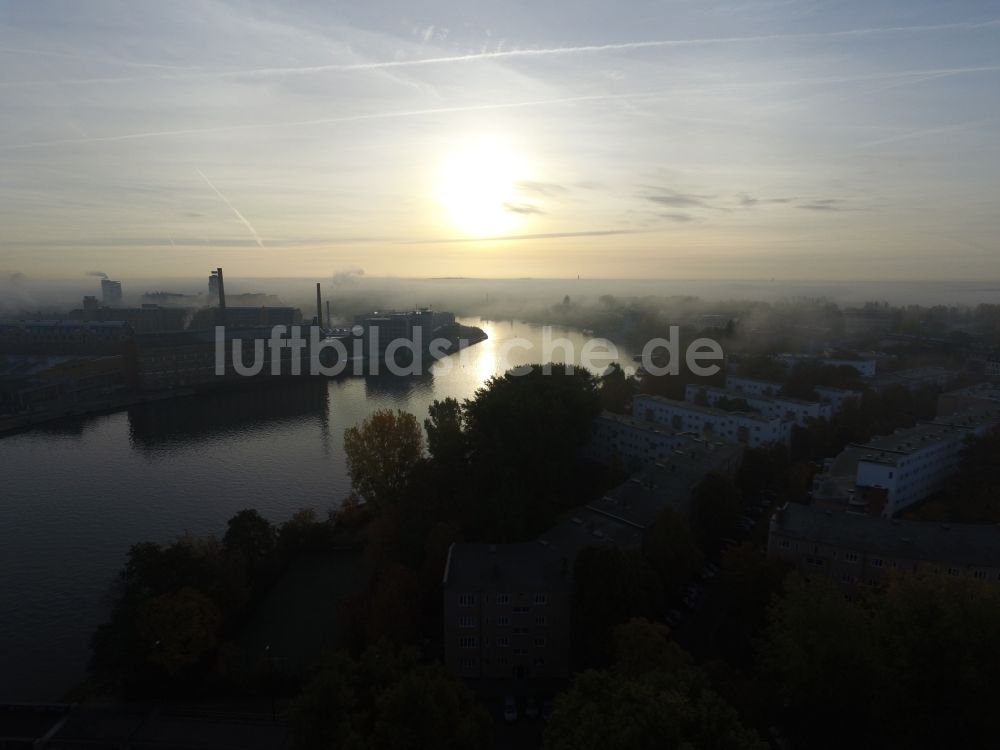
(381, 453)
(180, 628)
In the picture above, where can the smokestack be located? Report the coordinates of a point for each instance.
(329, 320)
(319, 306)
(222, 297)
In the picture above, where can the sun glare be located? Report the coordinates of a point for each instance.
(477, 187)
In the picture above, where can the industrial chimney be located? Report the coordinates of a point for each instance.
(319, 306)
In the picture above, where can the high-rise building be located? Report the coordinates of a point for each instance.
(111, 292)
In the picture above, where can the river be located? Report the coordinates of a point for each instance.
(74, 495)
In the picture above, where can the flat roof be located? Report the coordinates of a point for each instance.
(714, 411)
(524, 565)
(966, 544)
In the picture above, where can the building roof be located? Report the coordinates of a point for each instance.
(962, 544)
(525, 565)
(627, 420)
(707, 410)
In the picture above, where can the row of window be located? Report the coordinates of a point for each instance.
(878, 562)
(469, 600)
(471, 621)
(503, 661)
(503, 641)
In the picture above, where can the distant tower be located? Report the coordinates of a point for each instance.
(213, 288)
(220, 289)
(319, 306)
(111, 292)
(329, 320)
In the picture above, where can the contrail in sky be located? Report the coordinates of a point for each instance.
(900, 75)
(541, 52)
(240, 216)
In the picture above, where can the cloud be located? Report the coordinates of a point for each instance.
(678, 200)
(522, 208)
(677, 216)
(547, 189)
(97, 273)
(748, 201)
(516, 237)
(826, 204)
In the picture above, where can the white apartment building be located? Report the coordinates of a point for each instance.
(632, 442)
(835, 397)
(752, 430)
(798, 411)
(905, 467)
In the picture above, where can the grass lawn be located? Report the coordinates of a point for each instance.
(298, 617)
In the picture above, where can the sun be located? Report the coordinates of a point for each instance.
(477, 187)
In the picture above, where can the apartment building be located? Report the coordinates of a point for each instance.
(914, 379)
(508, 608)
(777, 407)
(900, 469)
(856, 550)
(752, 430)
(631, 442)
(836, 398)
(507, 612)
(981, 395)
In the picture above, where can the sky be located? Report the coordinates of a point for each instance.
(749, 139)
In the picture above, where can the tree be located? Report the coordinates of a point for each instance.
(385, 699)
(610, 587)
(658, 702)
(445, 439)
(617, 390)
(821, 651)
(428, 708)
(527, 430)
(254, 538)
(673, 551)
(381, 453)
(180, 628)
(715, 510)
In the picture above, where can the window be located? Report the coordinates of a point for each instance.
(539, 643)
(467, 641)
(466, 621)
(980, 574)
(520, 652)
(466, 600)
(503, 620)
(468, 663)
(541, 599)
(503, 641)
(520, 631)
(876, 562)
(785, 544)
(503, 598)
(520, 610)
(851, 557)
(503, 660)
(539, 662)
(954, 572)
(539, 619)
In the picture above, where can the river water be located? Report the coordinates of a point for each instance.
(74, 495)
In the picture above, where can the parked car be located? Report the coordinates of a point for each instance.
(509, 708)
(531, 707)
